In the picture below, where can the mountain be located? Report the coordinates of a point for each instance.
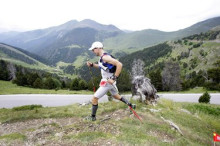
(202, 26)
(70, 41)
(138, 40)
(182, 64)
(193, 53)
(21, 57)
(64, 42)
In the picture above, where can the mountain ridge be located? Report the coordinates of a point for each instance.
(53, 41)
(146, 38)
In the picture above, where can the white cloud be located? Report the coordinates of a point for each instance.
(167, 15)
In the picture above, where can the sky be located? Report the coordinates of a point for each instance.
(164, 15)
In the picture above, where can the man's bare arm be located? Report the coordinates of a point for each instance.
(115, 62)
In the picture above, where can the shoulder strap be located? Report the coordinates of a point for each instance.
(104, 54)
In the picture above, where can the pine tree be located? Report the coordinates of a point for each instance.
(171, 77)
(38, 83)
(205, 98)
(75, 84)
(82, 85)
(156, 79)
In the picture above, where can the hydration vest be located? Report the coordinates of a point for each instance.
(107, 66)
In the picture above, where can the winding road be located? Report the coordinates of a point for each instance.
(50, 100)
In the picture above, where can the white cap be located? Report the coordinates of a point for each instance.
(96, 45)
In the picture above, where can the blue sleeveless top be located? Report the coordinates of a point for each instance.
(107, 66)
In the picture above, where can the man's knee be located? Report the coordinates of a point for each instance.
(95, 100)
(117, 96)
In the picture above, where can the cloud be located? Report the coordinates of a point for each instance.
(166, 15)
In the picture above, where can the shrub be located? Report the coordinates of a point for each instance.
(38, 83)
(75, 84)
(27, 107)
(82, 85)
(205, 98)
(52, 83)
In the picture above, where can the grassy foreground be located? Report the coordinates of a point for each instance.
(115, 125)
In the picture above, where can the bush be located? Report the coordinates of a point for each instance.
(52, 83)
(205, 98)
(75, 84)
(38, 83)
(27, 107)
(82, 85)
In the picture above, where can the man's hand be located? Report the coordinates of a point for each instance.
(89, 64)
(110, 81)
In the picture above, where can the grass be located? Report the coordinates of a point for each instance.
(27, 107)
(7, 87)
(197, 125)
(13, 136)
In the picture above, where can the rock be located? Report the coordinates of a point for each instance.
(173, 126)
(108, 143)
(85, 103)
(185, 111)
(59, 134)
(154, 110)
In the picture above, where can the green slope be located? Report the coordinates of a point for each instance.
(199, 52)
(138, 40)
(23, 58)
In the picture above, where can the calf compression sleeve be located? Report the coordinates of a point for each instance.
(94, 109)
(125, 101)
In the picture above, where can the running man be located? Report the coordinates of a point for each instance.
(110, 71)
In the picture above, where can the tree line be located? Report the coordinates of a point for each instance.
(170, 79)
(44, 80)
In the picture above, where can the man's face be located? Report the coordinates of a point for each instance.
(96, 51)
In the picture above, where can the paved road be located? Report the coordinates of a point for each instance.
(215, 97)
(9, 101)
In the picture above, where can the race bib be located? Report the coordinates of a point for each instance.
(103, 83)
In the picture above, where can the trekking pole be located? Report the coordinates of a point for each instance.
(132, 109)
(91, 74)
(135, 114)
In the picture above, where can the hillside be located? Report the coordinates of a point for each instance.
(51, 42)
(199, 52)
(115, 125)
(69, 51)
(20, 57)
(183, 64)
(138, 40)
(70, 41)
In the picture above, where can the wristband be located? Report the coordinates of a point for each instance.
(114, 77)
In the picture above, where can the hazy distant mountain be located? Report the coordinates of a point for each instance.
(70, 40)
(59, 42)
(202, 26)
(18, 55)
(138, 40)
(36, 39)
